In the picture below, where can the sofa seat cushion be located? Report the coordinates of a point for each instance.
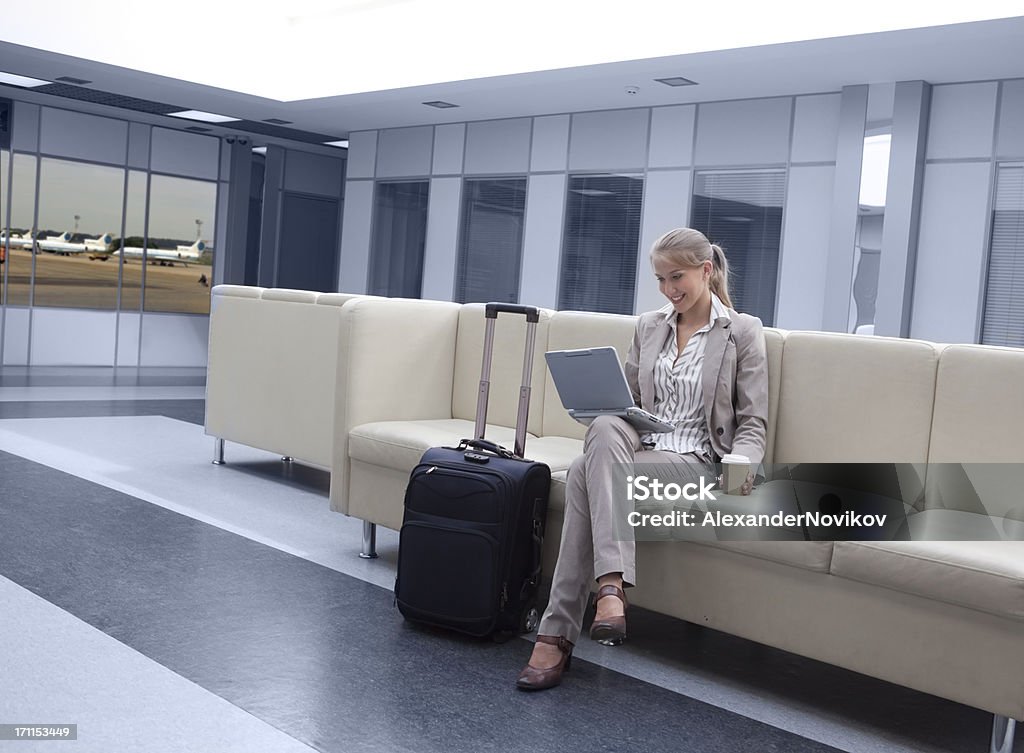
(983, 575)
(400, 444)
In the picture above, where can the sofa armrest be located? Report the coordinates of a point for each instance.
(396, 362)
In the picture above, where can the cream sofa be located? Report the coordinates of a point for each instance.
(943, 617)
(272, 370)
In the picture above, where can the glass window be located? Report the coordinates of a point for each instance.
(491, 240)
(399, 238)
(179, 246)
(602, 236)
(1003, 323)
(132, 269)
(874, 178)
(79, 216)
(5, 166)
(741, 211)
(22, 230)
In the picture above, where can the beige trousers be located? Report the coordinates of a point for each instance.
(592, 542)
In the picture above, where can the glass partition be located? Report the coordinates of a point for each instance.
(179, 245)
(602, 235)
(79, 216)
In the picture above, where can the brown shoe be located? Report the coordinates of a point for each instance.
(610, 632)
(532, 678)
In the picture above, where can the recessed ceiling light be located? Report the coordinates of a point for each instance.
(206, 117)
(676, 81)
(439, 104)
(15, 80)
(260, 149)
(342, 144)
(72, 80)
(277, 121)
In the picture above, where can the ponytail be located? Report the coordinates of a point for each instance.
(719, 281)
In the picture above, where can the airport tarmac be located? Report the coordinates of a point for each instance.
(80, 282)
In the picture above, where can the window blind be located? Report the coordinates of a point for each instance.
(602, 235)
(490, 240)
(399, 239)
(1003, 323)
(741, 211)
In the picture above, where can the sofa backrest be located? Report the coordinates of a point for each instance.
(577, 329)
(774, 341)
(271, 380)
(397, 365)
(977, 442)
(855, 399)
(506, 368)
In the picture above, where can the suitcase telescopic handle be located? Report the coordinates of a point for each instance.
(491, 311)
(532, 313)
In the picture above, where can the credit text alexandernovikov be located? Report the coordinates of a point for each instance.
(717, 518)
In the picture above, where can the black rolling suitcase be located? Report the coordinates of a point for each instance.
(469, 554)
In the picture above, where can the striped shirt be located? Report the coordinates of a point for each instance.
(678, 392)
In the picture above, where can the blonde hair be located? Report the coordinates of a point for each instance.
(691, 248)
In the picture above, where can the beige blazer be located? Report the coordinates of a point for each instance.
(735, 379)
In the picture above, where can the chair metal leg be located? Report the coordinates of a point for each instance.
(218, 451)
(1002, 734)
(369, 551)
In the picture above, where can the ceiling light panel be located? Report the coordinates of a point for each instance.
(206, 117)
(440, 105)
(676, 81)
(15, 80)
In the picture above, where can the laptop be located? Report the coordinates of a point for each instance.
(591, 383)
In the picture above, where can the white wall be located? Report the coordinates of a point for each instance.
(952, 249)
(72, 337)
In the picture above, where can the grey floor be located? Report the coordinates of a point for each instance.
(165, 604)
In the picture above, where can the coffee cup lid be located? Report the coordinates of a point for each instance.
(735, 459)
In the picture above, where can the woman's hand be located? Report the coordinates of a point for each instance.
(748, 485)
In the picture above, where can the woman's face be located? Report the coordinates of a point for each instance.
(684, 286)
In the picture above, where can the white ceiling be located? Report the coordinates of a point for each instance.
(982, 50)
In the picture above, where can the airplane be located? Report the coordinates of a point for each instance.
(165, 257)
(62, 245)
(18, 241)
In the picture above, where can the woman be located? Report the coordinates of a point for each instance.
(696, 363)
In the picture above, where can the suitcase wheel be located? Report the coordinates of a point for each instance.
(529, 619)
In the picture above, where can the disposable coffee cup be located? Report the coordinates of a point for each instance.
(735, 469)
